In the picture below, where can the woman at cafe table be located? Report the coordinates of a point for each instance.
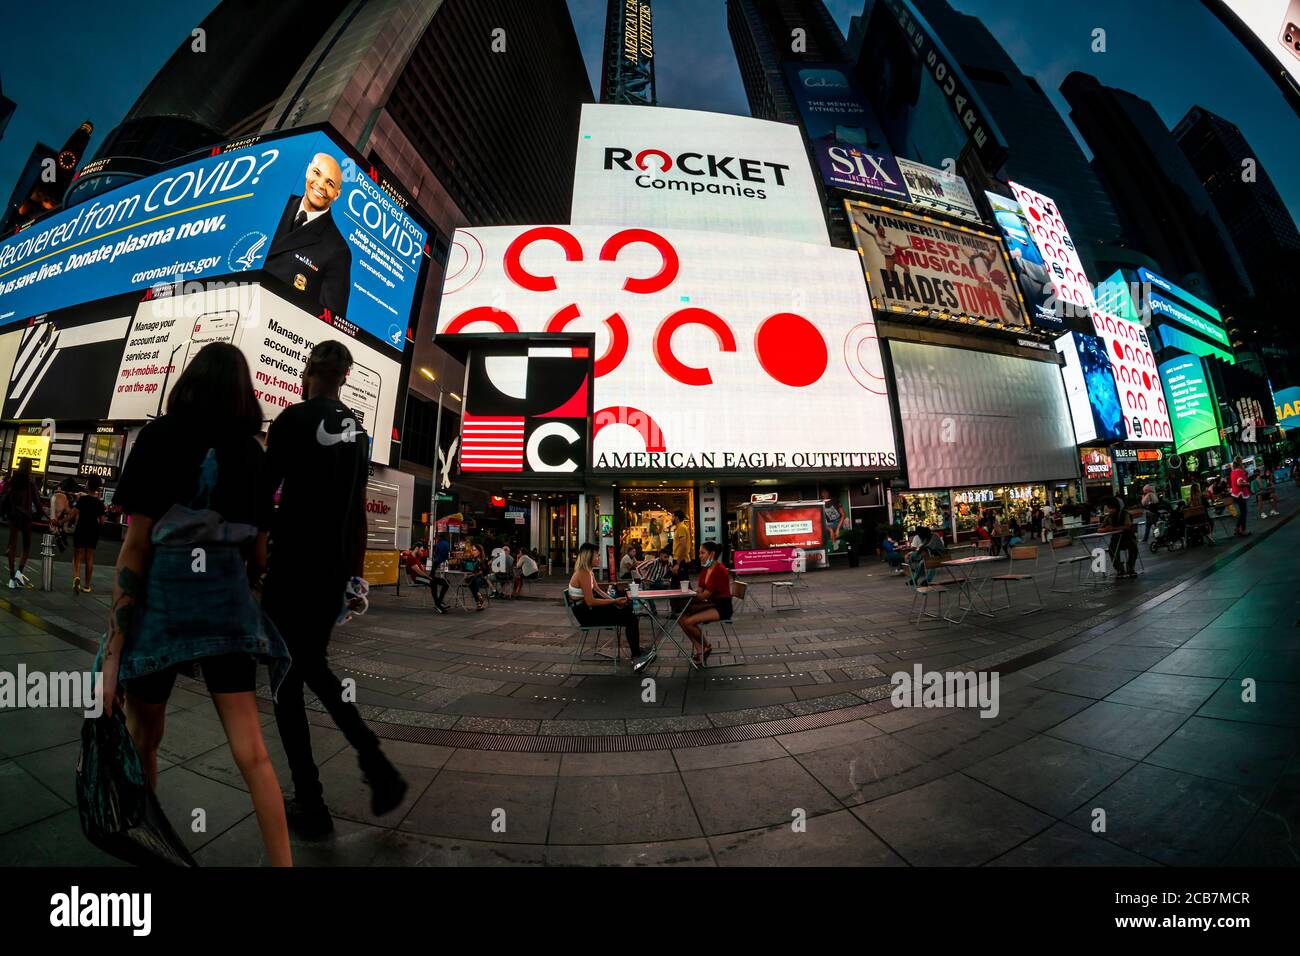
(595, 608)
(712, 601)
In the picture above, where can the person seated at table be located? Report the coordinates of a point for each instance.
(892, 554)
(712, 601)
(595, 608)
(474, 564)
(415, 572)
(1015, 534)
(1116, 518)
(925, 544)
(525, 570)
(1197, 514)
(503, 570)
(627, 568)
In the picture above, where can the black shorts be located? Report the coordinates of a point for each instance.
(89, 541)
(226, 674)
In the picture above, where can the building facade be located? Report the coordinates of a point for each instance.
(1263, 232)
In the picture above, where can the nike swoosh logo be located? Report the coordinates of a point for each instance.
(328, 438)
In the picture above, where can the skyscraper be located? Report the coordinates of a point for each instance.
(45, 178)
(1166, 211)
(766, 35)
(473, 105)
(7, 107)
(1041, 151)
(1261, 228)
(627, 72)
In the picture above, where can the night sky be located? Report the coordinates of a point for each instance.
(1171, 52)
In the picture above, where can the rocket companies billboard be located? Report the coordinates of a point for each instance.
(921, 266)
(687, 169)
(704, 359)
(1137, 381)
(298, 207)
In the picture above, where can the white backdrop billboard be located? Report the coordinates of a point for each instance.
(688, 169)
(713, 352)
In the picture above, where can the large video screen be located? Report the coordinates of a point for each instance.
(921, 266)
(686, 169)
(125, 355)
(1090, 388)
(1137, 380)
(1272, 31)
(297, 207)
(979, 418)
(713, 352)
(1192, 403)
(1035, 282)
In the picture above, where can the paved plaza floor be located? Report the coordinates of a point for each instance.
(1121, 737)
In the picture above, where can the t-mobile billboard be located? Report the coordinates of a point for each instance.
(687, 169)
(713, 352)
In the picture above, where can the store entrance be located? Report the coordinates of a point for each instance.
(559, 532)
(646, 516)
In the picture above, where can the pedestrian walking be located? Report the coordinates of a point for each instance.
(318, 455)
(61, 503)
(194, 490)
(20, 503)
(89, 516)
(438, 574)
(1149, 500)
(1239, 488)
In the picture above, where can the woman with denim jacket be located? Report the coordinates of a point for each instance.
(196, 539)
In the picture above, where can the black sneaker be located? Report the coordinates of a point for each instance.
(387, 788)
(309, 820)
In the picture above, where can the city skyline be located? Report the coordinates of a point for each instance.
(1202, 64)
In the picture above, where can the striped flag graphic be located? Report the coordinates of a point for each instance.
(492, 443)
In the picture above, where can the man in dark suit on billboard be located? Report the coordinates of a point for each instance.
(308, 251)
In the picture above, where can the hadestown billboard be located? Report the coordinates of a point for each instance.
(687, 169)
(713, 353)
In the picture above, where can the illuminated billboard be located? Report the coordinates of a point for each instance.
(686, 169)
(1090, 389)
(938, 189)
(714, 353)
(1036, 287)
(851, 149)
(125, 355)
(1137, 381)
(922, 266)
(1270, 29)
(527, 410)
(1193, 407)
(1286, 405)
(297, 207)
(971, 419)
(1168, 304)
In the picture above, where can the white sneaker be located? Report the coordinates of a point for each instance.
(22, 579)
(13, 584)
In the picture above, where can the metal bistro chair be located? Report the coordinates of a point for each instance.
(790, 588)
(727, 628)
(1021, 555)
(583, 630)
(923, 590)
(739, 600)
(1073, 560)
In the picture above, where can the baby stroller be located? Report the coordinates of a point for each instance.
(1170, 527)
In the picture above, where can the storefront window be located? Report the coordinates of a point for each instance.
(1005, 501)
(914, 509)
(646, 516)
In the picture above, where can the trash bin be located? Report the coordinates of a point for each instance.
(47, 562)
(853, 555)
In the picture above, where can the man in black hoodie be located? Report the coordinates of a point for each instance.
(321, 454)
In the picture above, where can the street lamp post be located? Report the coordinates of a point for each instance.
(434, 477)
